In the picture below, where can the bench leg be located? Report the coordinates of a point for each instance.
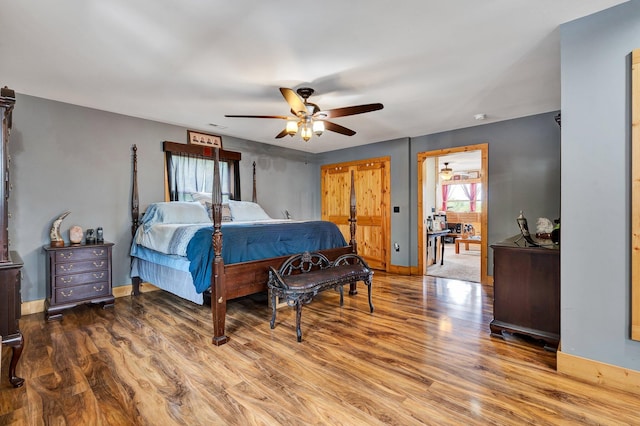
(353, 289)
(298, 318)
(273, 307)
(368, 283)
(341, 290)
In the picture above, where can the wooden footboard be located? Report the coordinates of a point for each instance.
(238, 279)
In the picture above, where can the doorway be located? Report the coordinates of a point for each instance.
(429, 166)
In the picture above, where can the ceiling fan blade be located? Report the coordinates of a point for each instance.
(283, 117)
(338, 128)
(282, 134)
(293, 100)
(352, 110)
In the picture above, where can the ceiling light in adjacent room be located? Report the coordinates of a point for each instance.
(446, 173)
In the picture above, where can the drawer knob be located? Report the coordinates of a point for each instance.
(98, 289)
(98, 252)
(67, 268)
(98, 264)
(98, 276)
(66, 280)
(66, 255)
(66, 295)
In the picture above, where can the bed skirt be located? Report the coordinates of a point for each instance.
(166, 278)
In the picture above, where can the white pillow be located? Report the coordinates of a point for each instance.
(201, 196)
(174, 212)
(246, 210)
(225, 211)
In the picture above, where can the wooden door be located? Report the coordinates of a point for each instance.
(372, 180)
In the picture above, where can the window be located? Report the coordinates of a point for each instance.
(462, 197)
(190, 174)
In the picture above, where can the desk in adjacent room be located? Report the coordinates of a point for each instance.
(432, 244)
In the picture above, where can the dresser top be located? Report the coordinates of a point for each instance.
(68, 246)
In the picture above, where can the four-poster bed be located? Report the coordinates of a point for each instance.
(227, 280)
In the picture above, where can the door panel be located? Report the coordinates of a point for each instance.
(371, 180)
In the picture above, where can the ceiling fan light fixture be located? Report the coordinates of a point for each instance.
(292, 127)
(318, 127)
(306, 133)
(308, 118)
(446, 173)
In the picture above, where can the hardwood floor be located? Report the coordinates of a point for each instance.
(423, 357)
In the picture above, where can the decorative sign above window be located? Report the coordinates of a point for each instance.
(198, 138)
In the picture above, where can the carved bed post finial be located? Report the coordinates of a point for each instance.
(254, 197)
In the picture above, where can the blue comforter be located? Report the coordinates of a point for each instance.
(246, 242)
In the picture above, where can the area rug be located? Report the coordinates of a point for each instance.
(464, 266)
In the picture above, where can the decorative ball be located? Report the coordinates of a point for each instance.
(75, 234)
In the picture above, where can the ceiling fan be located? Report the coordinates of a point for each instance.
(309, 118)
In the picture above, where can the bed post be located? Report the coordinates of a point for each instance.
(352, 227)
(254, 197)
(352, 216)
(218, 288)
(135, 212)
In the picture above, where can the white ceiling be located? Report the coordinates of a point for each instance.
(433, 64)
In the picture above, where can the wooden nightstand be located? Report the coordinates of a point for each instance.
(77, 274)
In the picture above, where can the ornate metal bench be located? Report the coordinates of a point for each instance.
(303, 276)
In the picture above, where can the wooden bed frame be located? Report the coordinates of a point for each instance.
(237, 279)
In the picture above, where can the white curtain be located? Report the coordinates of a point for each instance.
(189, 174)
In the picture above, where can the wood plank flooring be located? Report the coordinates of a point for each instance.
(423, 357)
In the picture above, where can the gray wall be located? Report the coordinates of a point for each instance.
(66, 157)
(524, 174)
(595, 315)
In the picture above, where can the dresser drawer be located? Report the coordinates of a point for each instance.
(81, 292)
(78, 279)
(81, 253)
(78, 267)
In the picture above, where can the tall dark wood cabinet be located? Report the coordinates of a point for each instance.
(526, 291)
(10, 262)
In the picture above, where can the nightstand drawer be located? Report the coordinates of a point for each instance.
(81, 292)
(78, 279)
(78, 267)
(81, 253)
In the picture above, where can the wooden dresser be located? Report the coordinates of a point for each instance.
(526, 291)
(77, 274)
(10, 262)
